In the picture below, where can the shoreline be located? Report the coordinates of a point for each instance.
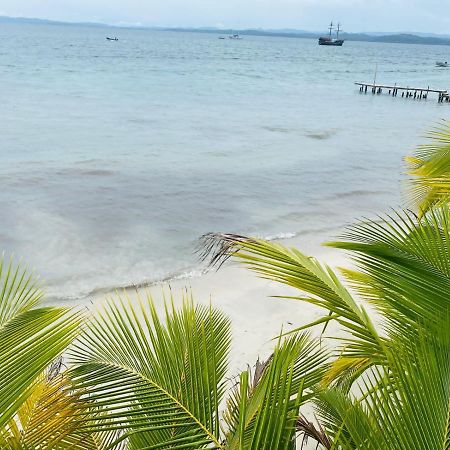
(256, 318)
(308, 242)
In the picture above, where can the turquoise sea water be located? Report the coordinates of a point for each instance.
(117, 156)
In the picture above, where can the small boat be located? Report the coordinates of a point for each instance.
(441, 64)
(328, 40)
(234, 36)
(112, 38)
(221, 37)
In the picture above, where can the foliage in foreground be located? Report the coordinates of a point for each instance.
(142, 378)
(430, 168)
(139, 374)
(389, 385)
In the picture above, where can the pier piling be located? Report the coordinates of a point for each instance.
(407, 92)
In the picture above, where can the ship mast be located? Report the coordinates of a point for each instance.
(330, 27)
(338, 29)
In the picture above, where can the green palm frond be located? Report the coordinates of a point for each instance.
(345, 420)
(430, 168)
(31, 337)
(404, 407)
(403, 265)
(418, 414)
(319, 282)
(160, 381)
(262, 412)
(19, 291)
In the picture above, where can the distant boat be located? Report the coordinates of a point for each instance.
(221, 37)
(328, 40)
(441, 64)
(234, 36)
(111, 38)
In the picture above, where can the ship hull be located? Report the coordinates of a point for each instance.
(332, 42)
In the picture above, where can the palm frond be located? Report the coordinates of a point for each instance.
(345, 421)
(403, 264)
(159, 380)
(403, 406)
(19, 290)
(322, 286)
(31, 337)
(48, 418)
(430, 168)
(262, 412)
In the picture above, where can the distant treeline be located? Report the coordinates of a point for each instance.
(400, 38)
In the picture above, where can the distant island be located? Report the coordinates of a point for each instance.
(396, 38)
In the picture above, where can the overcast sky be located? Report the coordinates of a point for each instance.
(355, 15)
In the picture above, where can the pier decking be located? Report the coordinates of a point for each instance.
(407, 92)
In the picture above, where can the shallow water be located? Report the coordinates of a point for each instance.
(117, 156)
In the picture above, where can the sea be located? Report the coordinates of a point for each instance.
(116, 156)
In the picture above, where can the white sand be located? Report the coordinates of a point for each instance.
(256, 317)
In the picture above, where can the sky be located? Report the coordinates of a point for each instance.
(429, 16)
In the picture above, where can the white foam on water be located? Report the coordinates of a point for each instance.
(280, 236)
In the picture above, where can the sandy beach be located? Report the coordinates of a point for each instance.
(256, 317)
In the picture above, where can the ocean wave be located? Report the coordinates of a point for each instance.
(186, 274)
(279, 236)
(143, 284)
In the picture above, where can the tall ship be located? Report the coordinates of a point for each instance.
(328, 40)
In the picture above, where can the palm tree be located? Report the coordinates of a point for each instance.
(388, 387)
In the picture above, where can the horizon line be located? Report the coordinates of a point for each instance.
(210, 27)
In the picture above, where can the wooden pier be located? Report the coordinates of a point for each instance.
(406, 92)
